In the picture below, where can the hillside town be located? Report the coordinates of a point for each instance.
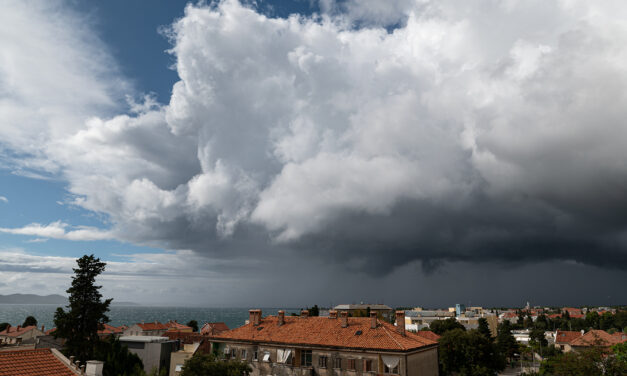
(348, 339)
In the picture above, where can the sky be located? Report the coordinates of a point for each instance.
(291, 153)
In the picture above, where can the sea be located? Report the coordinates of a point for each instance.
(15, 314)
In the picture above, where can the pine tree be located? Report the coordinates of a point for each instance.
(86, 311)
(484, 329)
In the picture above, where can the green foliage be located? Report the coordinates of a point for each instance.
(537, 337)
(118, 361)
(3, 326)
(505, 341)
(442, 326)
(208, 365)
(86, 312)
(314, 311)
(30, 320)
(193, 324)
(484, 329)
(590, 362)
(468, 353)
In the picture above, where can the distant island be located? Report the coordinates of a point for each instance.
(45, 299)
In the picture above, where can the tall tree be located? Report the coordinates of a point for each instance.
(86, 311)
(484, 328)
(440, 327)
(505, 341)
(469, 354)
(30, 320)
(193, 324)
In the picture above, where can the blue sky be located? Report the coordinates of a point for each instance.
(412, 152)
(132, 34)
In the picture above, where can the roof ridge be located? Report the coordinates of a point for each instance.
(392, 337)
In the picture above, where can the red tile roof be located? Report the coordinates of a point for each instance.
(565, 336)
(110, 329)
(153, 326)
(40, 362)
(428, 335)
(16, 331)
(327, 332)
(596, 338)
(212, 328)
(173, 325)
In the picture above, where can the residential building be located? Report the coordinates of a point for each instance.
(563, 338)
(212, 328)
(154, 351)
(362, 309)
(108, 330)
(173, 325)
(178, 358)
(460, 309)
(290, 346)
(146, 329)
(44, 362)
(417, 320)
(15, 335)
(596, 338)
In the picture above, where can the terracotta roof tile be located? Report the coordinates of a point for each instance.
(323, 331)
(596, 338)
(173, 325)
(110, 329)
(153, 326)
(428, 335)
(13, 331)
(212, 328)
(565, 336)
(40, 362)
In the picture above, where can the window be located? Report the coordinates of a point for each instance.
(233, 353)
(323, 361)
(255, 355)
(243, 354)
(305, 358)
(367, 365)
(351, 364)
(337, 363)
(266, 356)
(391, 370)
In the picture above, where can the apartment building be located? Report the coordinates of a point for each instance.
(325, 346)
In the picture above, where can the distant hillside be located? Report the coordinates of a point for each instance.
(46, 299)
(32, 299)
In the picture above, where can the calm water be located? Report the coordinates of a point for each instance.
(15, 314)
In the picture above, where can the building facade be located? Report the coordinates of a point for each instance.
(338, 346)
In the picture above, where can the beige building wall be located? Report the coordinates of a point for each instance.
(423, 363)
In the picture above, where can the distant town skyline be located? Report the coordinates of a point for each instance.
(291, 153)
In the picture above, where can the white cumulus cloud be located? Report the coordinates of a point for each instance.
(463, 130)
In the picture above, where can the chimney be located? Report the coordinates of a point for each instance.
(373, 320)
(304, 313)
(281, 317)
(254, 316)
(400, 322)
(43, 329)
(18, 327)
(9, 328)
(333, 314)
(344, 319)
(94, 368)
